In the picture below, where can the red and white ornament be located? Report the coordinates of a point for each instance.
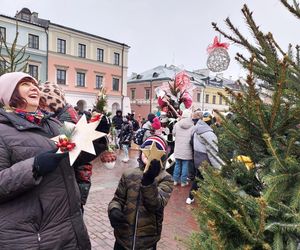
(65, 144)
(218, 58)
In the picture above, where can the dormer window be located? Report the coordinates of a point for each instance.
(155, 74)
(25, 17)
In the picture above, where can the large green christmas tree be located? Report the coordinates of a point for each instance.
(256, 207)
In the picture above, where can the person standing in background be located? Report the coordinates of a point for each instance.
(205, 149)
(117, 122)
(183, 150)
(126, 135)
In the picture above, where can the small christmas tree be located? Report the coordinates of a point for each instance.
(257, 208)
(101, 101)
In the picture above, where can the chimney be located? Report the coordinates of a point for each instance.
(204, 72)
(34, 17)
(133, 75)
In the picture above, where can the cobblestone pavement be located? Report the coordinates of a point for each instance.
(178, 219)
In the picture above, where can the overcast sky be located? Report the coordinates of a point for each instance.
(163, 31)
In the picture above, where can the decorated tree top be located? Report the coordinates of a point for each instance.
(175, 96)
(101, 101)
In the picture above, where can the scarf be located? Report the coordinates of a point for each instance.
(33, 117)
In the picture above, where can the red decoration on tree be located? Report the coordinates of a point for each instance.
(182, 81)
(217, 44)
(218, 59)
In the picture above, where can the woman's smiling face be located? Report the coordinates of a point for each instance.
(30, 92)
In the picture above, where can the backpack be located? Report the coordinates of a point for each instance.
(139, 136)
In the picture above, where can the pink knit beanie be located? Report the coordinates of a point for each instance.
(8, 83)
(156, 123)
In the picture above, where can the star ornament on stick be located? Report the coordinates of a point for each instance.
(152, 153)
(83, 136)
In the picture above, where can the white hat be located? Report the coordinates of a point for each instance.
(187, 113)
(163, 117)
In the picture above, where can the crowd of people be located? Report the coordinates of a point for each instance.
(190, 140)
(42, 198)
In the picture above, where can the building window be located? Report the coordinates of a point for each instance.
(147, 94)
(132, 94)
(206, 98)
(116, 84)
(99, 81)
(100, 55)
(220, 100)
(198, 97)
(61, 76)
(81, 50)
(34, 71)
(3, 34)
(80, 79)
(116, 58)
(61, 46)
(33, 41)
(214, 99)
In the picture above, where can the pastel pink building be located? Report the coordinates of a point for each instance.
(82, 63)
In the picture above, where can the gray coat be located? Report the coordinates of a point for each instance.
(41, 213)
(205, 142)
(183, 131)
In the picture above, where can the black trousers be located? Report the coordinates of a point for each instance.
(195, 184)
(117, 246)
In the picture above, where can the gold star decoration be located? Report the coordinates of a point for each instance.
(152, 153)
(83, 136)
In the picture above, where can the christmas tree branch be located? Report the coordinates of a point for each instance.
(293, 9)
(262, 216)
(278, 95)
(268, 141)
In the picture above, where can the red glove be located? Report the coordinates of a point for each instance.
(84, 173)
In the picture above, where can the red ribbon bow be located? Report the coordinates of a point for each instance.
(217, 44)
(95, 118)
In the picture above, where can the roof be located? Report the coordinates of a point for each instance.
(42, 24)
(167, 73)
(163, 73)
(45, 24)
(89, 34)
